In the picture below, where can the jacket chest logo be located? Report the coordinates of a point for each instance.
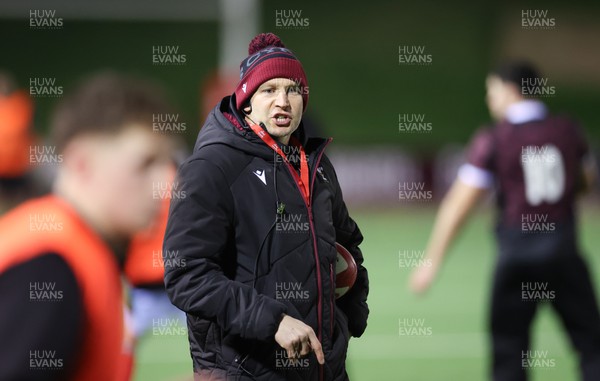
(260, 173)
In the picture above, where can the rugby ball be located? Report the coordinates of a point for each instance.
(345, 271)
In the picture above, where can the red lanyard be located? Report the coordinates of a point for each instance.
(303, 180)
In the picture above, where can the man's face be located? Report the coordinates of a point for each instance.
(278, 104)
(499, 95)
(122, 174)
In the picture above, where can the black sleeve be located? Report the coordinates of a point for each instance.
(354, 302)
(198, 231)
(41, 320)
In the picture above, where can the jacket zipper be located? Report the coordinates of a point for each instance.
(331, 300)
(308, 204)
(312, 183)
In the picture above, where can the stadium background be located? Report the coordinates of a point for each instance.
(357, 91)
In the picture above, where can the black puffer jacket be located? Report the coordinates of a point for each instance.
(235, 265)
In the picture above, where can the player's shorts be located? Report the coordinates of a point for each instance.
(554, 242)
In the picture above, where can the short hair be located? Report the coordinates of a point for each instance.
(106, 103)
(516, 72)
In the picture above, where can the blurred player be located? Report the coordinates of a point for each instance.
(60, 257)
(144, 270)
(17, 182)
(537, 163)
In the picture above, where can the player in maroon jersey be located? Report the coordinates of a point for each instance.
(537, 163)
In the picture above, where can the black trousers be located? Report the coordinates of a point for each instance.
(559, 279)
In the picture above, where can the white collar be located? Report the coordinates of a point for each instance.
(525, 111)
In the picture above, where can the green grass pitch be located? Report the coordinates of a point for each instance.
(454, 311)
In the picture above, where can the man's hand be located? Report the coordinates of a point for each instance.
(298, 339)
(421, 278)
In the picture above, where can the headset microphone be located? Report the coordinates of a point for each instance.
(280, 208)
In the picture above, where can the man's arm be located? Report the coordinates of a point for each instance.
(198, 231)
(588, 170)
(455, 207)
(354, 302)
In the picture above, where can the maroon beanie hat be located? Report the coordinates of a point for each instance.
(268, 58)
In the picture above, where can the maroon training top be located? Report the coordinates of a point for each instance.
(537, 167)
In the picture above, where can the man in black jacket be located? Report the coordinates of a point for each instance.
(249, 250)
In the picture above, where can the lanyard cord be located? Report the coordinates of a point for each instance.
(303, 181)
